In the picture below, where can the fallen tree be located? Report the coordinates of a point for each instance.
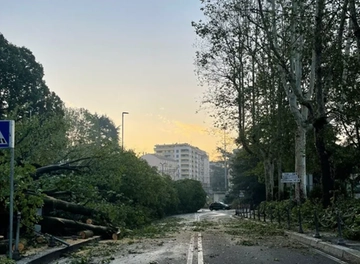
(58, 168)
(54, 203)
(58, 226)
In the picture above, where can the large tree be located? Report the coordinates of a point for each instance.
(21, 83)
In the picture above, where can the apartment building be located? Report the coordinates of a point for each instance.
(192, 161)
(163, 165)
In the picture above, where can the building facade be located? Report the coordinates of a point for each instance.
(163, 164)
(192, 161)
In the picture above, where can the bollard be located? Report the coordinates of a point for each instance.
(340, 241)
(317, 235)
(288, 216)
(258, 213)
(300, 221)
(16, 254)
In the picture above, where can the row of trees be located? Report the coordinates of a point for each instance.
(285, 74)
(74, 155)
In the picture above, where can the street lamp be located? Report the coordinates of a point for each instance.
(122, 128)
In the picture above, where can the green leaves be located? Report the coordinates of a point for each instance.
(191, 195)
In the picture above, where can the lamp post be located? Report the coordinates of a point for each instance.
(122, 128)
(225, 161)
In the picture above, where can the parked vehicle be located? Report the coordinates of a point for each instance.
(219, 206)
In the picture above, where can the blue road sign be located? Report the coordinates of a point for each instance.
(7, 133)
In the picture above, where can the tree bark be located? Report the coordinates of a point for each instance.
(269, 178)
(320, 121)
(56, 226)
(300, 162)
(53, 203)
(355, 23)
(86, 234)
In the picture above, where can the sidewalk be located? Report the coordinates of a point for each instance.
(48, 254)
(328, 243)
(347, 250)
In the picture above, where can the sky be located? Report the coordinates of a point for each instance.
(112, 56)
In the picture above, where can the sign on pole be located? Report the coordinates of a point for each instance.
(7, 133)
(7, 140)
(289, 177)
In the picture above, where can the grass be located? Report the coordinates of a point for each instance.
(202, 226)
(158, 229)
(252, 229)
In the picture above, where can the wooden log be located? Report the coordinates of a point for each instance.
(41, 240)
(116, 236)
(86, 234)
(54, 203)
(51, 203)
(54, 225)
(22, 245)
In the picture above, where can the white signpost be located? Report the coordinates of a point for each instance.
(289, 177)
(7, 140)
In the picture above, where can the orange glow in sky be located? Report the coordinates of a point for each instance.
(114, 56)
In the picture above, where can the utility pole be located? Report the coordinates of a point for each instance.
(122, 128)
(225, 162)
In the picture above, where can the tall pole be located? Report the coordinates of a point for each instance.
(122, 129)
(225, 165)
(11, 219)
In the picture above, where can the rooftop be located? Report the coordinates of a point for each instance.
(179, 145)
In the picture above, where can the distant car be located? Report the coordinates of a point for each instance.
(219, 206)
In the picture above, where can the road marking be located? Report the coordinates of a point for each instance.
(329, 256)
(200, 250)
(190, 250)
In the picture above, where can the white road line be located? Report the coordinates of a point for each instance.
(190, 250)
(329, 256)
(200, 250)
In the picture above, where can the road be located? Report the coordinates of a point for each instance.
(206, 237)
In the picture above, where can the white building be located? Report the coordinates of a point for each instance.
(164, 165)
(192, 161)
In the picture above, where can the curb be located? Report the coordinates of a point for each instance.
(341, 252)
(55, 253)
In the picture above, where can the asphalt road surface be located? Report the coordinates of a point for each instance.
(216, 237)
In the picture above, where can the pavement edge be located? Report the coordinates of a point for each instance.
(341, 252)
(57, 253)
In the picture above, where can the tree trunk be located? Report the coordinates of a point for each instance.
(269, 178)
(326, 179)
(356, 26)
(320, 121)
(53, 203)
(57, 226)
(86, 234)
(300, 162)
(280, 184)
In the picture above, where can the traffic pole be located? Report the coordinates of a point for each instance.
(11, 218)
